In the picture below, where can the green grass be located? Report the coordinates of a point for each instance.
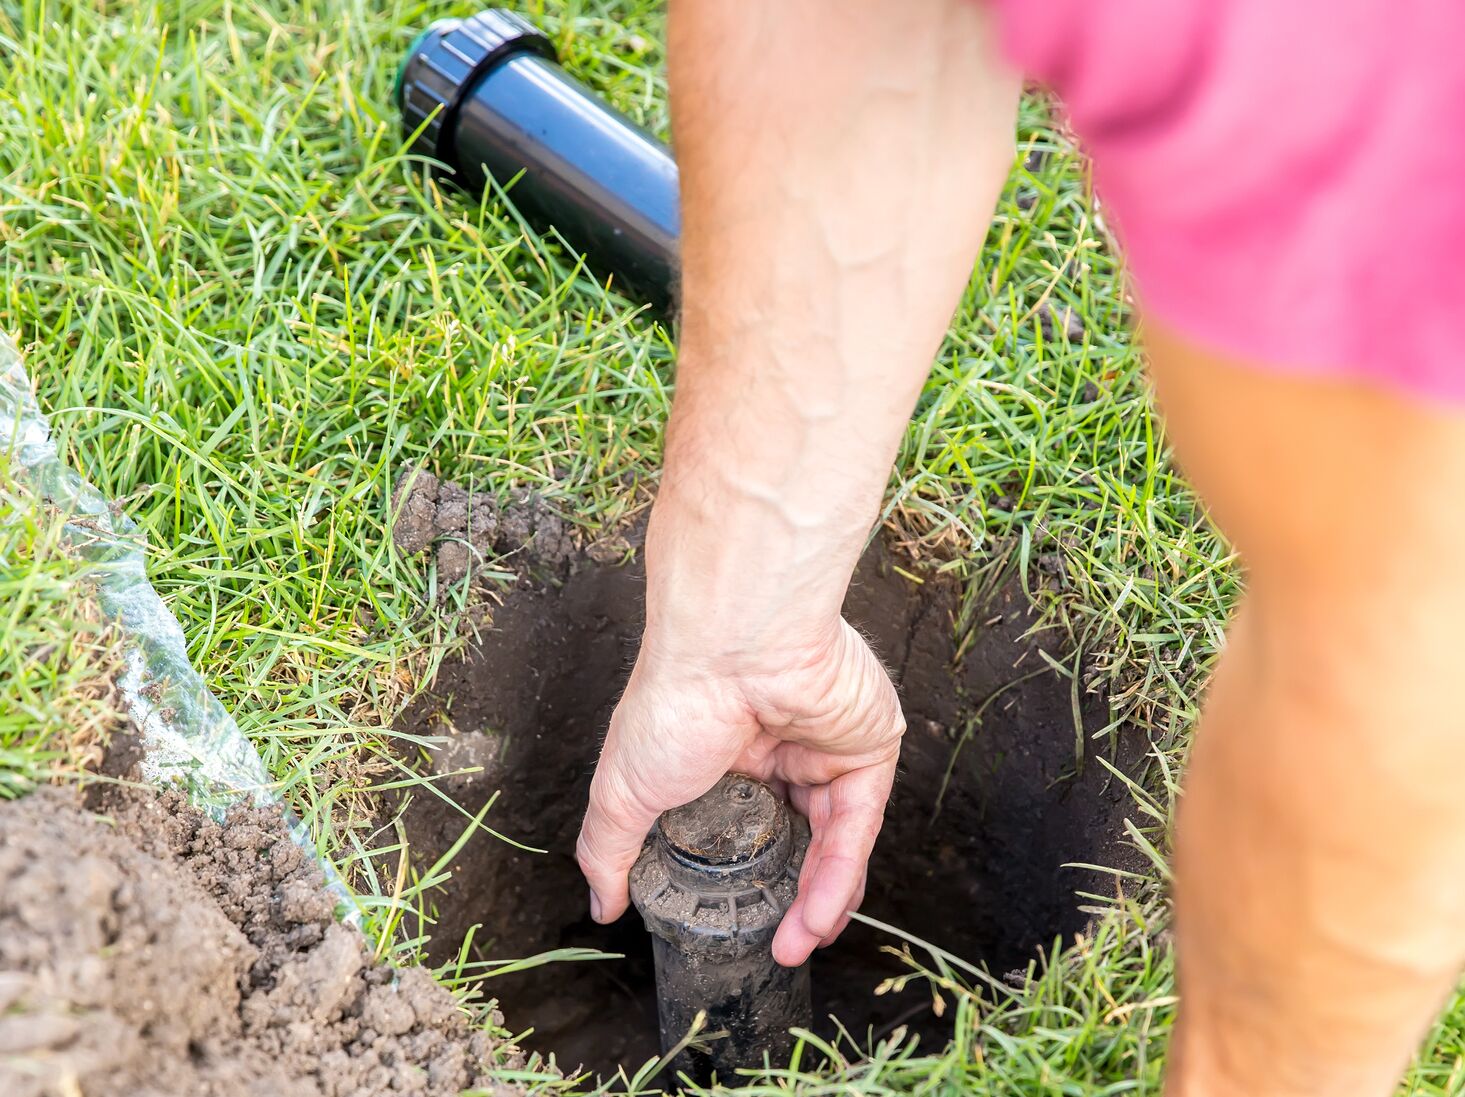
(57, 659)
(245, 312)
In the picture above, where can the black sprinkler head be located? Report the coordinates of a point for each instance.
(712, 884)
(486, 98)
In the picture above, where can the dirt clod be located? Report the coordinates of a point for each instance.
(1053, 318)
(471, 528)
(153, 952)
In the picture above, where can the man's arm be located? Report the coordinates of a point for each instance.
(840, 163)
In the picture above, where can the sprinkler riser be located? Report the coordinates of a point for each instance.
(712, 885)
(752, 1000)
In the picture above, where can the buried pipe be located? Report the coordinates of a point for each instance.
(712, 885)
(487, 99)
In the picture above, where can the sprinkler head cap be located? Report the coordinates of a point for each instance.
(717, 874)
(733, 824)
(444, 63)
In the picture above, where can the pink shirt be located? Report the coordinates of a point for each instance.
(1287, 176)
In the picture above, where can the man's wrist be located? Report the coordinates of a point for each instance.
(729, 574)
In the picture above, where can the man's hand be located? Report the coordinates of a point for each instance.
(822, 721)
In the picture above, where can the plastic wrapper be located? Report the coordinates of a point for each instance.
(189, 739)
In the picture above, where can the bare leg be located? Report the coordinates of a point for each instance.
(1321, 842)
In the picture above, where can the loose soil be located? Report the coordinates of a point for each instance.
(148, 951)
(974, 863)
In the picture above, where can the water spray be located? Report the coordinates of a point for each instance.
(712, 884)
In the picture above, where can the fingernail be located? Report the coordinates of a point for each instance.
(595, 908)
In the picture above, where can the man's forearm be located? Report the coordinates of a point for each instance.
(831, 216)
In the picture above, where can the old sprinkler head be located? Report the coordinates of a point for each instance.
(712, 884)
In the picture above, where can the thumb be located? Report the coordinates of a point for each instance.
(616, 825)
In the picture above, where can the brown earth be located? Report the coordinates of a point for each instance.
(999, 790)
(148, 951)
(145, 950)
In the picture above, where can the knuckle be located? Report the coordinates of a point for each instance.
(611, 795)
(610, 836)
(897, 720)
(585, 855)
(608, 794)
(588, 854)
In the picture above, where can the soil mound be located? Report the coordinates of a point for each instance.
(152, 952)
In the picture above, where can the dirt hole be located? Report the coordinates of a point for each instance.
(983, 877)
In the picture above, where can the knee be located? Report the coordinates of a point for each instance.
(1351, 681)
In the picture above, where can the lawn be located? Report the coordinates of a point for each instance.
(245, 312)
